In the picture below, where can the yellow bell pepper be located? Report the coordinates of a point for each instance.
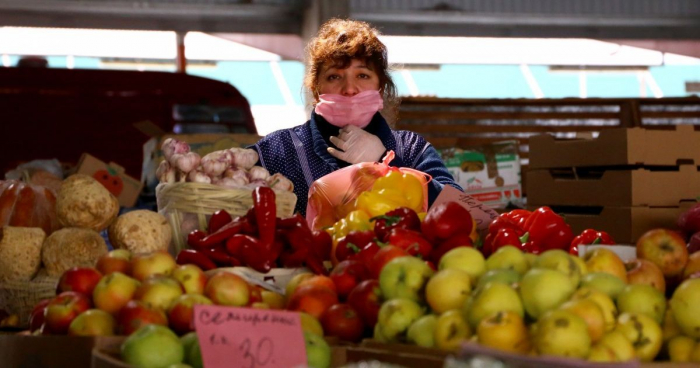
(376, 204)
(355, 221)
(409, 187)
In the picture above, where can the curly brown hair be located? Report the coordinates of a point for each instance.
(338, 42)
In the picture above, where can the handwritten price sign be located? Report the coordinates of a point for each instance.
(249, 338)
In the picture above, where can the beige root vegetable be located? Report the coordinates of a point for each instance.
(141, 231)
(20, 252)
(84, 202)
(71, 247)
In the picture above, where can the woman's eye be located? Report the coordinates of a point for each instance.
(333, 77)
(364, 76)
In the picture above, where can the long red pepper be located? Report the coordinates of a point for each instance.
(265, 214)
(191, 256)
(232, 228)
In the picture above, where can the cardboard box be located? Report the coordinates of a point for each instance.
(624, 224)
(113, 177)
(624, 146)
(200, 143)
(610, 187)
(50, 351)
(491, 173)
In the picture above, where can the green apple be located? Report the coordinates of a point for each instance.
(559, 260)
(508, 257)
(491, 298)
(644, 299)
(396, 316)
(187, 341)
(562, 333)
(422, 331)
(543, 289)
(451, 330)
(684, 304)
(466, 259)
(318, 353)
(605, 282)
(194, 356)
(404, 277)
(180, 365)
(152, 346)
(503, 275)
(447, 289)
(644, 333)
(531, 258)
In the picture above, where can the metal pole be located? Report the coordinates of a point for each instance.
(180, 60)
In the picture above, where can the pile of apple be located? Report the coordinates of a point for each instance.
(597, 308)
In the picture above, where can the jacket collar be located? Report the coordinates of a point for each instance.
(378, 126)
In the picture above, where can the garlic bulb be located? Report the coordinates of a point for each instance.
(185, 161)
(258, 173)
(256, 183)
(280, 182)
(198, 176)
(172, 146)
(216, 163)
(244, 158)
(165, 173)
(238, 174)
(232, 182)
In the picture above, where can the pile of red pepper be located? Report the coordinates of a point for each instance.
(446, 226)
(537, 231)
(258, 240)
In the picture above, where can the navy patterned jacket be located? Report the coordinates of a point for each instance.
(300, 154)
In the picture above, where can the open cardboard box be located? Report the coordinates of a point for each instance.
(613, 147)
(112, 177)
(622, 188)
(23, 350)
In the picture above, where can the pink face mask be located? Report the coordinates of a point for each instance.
(356, 110)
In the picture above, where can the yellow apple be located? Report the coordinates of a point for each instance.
(604, 302)
(591, 313)
(543, 289)
(559, 260)
(156, 263)
(669, 327)
(616, 340)
(665, 248)
(642, 298)
(310, 324)
(159, 291)
(295, 281)
(641, 271)
(191, 277)
(503, 275)
(466, 259)
(451, 330)
(422, 331)
(447, 290)
(508, 257)
(562, 333)
(602, 354)
(273, 299)
(113, 291)
(685, 303)
(605, 282)
(493, 297)
(644, 333)
(605, 260)
(581, 264)
(693, 265)
(504, 331)
(680, 348)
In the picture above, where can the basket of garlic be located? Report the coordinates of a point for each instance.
(192, 188)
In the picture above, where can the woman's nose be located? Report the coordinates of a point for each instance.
(350, 89)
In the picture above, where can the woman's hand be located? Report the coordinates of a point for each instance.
(355, 146)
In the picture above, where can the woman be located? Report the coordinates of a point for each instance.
(349, 78)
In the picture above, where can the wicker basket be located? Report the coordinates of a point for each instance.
(187, 206)
(20, 297)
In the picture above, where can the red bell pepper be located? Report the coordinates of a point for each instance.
(366, 254)
(445, 220)
(590, 237)
(265, 214)
(191, 256)
(502, 237)
(352, 243)
(457, 240)
(410, 241)
(402, 218)
(322, 244)
(218, 220)
(547, 230)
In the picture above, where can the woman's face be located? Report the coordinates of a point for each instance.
(356, 78)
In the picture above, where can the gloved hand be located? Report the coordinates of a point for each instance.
(356, 146)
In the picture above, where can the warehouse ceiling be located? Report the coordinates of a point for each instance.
(600, 19)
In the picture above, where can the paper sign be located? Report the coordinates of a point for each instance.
(249, 338)
(482, 214)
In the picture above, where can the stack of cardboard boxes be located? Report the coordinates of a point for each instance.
(625, 181)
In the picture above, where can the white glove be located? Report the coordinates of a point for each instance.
(356, 146)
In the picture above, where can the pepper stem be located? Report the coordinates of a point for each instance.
(525, 238)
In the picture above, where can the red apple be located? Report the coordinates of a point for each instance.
(366, 299)
(225, 288)
(118, 260)
(79, 279)
(689, 221)
(191, 277)
(342, 320)
(63, 309)
(159, 291)
(665, 248)
(136, 314)
(181, 312)
(694, 244)
(346, 275)
(641, 271)
(156, 263)
(36, 319)
(255, 294)
(92, 322)
(114, 291)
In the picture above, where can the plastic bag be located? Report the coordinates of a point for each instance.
(333, 196)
